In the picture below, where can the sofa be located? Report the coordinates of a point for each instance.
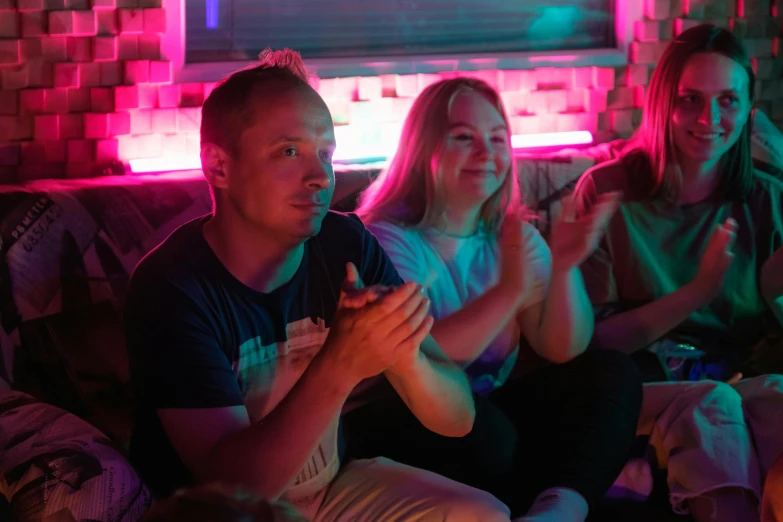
(67, 249)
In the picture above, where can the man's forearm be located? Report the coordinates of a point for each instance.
(438, 393)
(267, 455)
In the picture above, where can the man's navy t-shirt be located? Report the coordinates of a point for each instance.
(199, 338)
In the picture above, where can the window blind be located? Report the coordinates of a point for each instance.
(227, 30)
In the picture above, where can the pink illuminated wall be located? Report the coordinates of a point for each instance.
(83, 84)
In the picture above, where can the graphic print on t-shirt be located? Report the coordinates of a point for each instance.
(266, 374)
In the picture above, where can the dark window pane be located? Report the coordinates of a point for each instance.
(225, 30)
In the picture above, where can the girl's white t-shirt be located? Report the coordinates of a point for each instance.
(456, 270)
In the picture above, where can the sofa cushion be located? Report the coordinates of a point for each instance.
(54, 467)
(68, 248)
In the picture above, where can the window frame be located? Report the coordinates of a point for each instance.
(627, 12)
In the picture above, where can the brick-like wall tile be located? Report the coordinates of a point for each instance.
(370, 88)
(517, 81)
(192, 94)
(96, 126)
(149, 46)
(9, 103)
(46, 127)
(603, 78)
(9, 174)
(192, 144)
(119, 123)
(759, 47)
(104, 48)
(10, 154)
(596, 100)
(90, 74)
(66, 75)
(126, 97)
(154, 20)
(756, 8)
(34, 24)
(622, 98)
(657, 9)
(148, 96)
(77, 4)
(575, 100)
(174, 145)
(31, 49)
(557, 101)
(553, 77)
(388, 85)
(10, 51)
(10, 126)
(683, 24)
(681, 8)
(43, 152)
(625, 121)
(652, 30)
(516, 102)
(164, 120)
(149, 146)
(106, 23)
(56, 100)
(31, 101)
(141, 121)
(73, 23)
(10, 26)
(102, 99)
(14, 77)
(136, 72)
(55, 49)
(189, 119)
(30, 5)
(160, 72)
(168, 96)
(208, 88)
(126, 148)
(79, 170)
(128, 47)
(633, 75)
(71, 126)
(111, 73)
(719, 8)
(40, 73)
(647, 52)
(80, 151)
(79, 49)
(79, 99)
(131, 20)
(106, 150)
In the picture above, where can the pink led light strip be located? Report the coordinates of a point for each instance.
(360, 152)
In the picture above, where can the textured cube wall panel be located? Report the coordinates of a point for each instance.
(83, 83)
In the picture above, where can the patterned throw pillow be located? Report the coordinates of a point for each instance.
(54, 467)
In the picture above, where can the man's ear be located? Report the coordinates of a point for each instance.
(216, 164)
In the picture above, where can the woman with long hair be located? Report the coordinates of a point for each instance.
(690, 275)
(549, 443)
